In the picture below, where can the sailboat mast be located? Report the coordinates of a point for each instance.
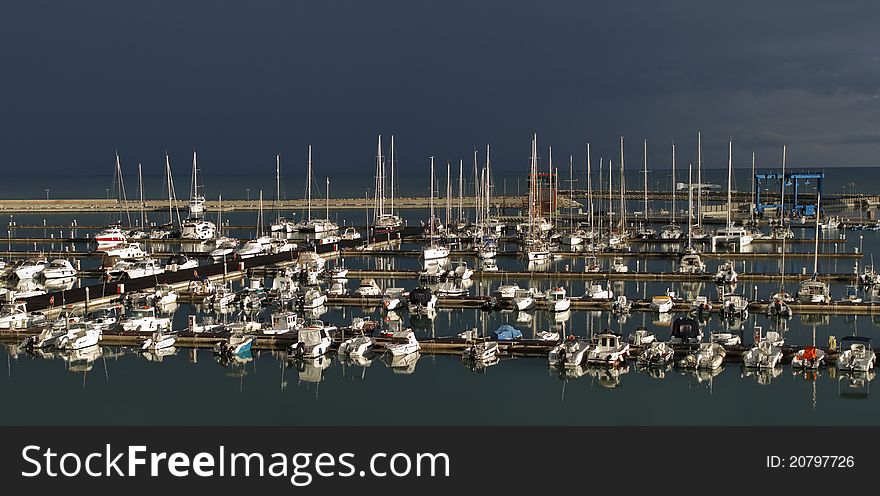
(622, 192)
(754, 203)
(550, 195)
(690, 203)
(816, 249)
(260, 217)
(488, 182)
(141, 191)
(377, 212)
(590, 193)
(391, 166)
(673, 183)
(448, 195)
(431, 220)
(327, 211)
(699, 179)
(729, 181)
(645, 179)
(571, 191)
(278, 188)
(309, 185)
(460, 188)
(782, 220)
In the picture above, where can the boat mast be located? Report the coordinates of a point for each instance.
(309, 185)
(622, 192)
(816, 249)
(571, 191)
(431, 221)
(172, 194)
(220, 216)
(277, 188)
(550, 195)
(690, 204)
(391, 166)
(782, 219)
(590, 193)
(754, 202)
(488, 182)
(448, 195)
(260, 217)
(729, 182)
(673, 183)
(379, 194)
(645, 179)
(699, 179)
(460, 188)
(478, 195)
(141, 191)
(327, 211)
(121, 192)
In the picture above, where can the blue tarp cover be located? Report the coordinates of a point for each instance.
(506, 333)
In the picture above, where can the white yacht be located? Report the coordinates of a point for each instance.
(657, 354)
(596, 291)
(59, 268)
(261, 245)
(403, 343)
(113, 235)
(312, 341)
(523, 299)
(368, 287)
(28, 269)
(726, 274)
(609, 350)
(691, 263)
(14, 316)
(764, 355)
(144, 319)
(145, 267)
(78, 336)
(159, 341)
(393, 298)
(125, 250)
(198, 229)
(708, 356)
(570, 353)
(356, 346)
(814, 291)
(618, 265)
(557, 300)
(857, 354)
(662, 303)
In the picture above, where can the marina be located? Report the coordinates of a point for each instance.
(547, 286)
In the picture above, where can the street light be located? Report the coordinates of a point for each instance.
(47, 194)
(248, 193)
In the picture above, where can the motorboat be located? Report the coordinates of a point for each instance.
(393, 298)
(621, 305)
(403, 343)
(488, 265)
(46, 339)
(574, 237)
(28, 269)
(657, 354)
(763, 355)
(357, 346)
(145, 267)
(14, 315)
(368, 287)
(726, 274)
(78, 336)
(857, 354)
(451, 288)
(180, 262)
(814, 291)
(261, 245)
(701, 305)
(732, 235)
(144, 319)
(164, 294)
(338, 272)
(350, 234)
(609, 350)
(852, 295)
(198, 229)
(618, 265)
(662, 303)
(435, 252)
(685, 330)
(725, 338)
(313, 298)
(641, 337)
(524, 299)
(422, 299)
(237, 345)
(507, 291)
(570, 353)
(59, 268)
(489, 249)
(283, 323)
(596, 291)
(112, 235)
(557, 300)
(158, 340)
(550, 336)
(734, 305)
(810, 357)
(125, 250)
(432, 272)
(312, 341)
(691, 263)
(708, 356)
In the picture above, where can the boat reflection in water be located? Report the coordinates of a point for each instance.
(82, 359)
(763, 376)
(607, 377)
(655, 371)
(480, 366)
(159, 355)
(311, 370)
(405, 364)
(854, 385)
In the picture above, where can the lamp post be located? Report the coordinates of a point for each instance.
(47, 194)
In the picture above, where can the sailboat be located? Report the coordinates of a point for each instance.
(697, 231)
(577, 234)
(645, 231)
(113, 234)
(813, 290)
(385, 220)
(536, 248)
(731, 233)
(282, 224)
(690, 261)
(261, 244)
(778, 306)
(195, 226)
(434, 250)
(311, 225)
(167, 230)
(672, 231)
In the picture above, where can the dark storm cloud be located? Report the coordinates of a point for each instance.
(245, 80)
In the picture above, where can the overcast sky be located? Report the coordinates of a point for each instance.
(241, 81)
